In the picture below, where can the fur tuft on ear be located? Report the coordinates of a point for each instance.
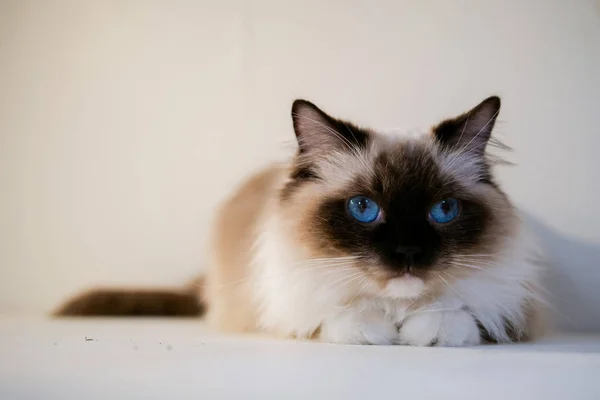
(317, 131)
(471, 131)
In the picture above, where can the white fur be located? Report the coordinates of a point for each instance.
(460, 166)
(502, 291)
(406, 287)
(363, 323)
(281, 290)
(296, 301)
(340, 168)
(442, 328)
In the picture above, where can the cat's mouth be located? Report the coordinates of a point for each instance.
(406, 272)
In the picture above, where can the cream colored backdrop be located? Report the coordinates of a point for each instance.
(123, 123)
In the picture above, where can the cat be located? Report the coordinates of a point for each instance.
(366, 238)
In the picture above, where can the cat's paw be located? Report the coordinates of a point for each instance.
(440, 328)
(359, 327)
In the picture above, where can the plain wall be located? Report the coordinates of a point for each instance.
(123, 123)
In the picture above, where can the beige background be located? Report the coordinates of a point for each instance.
(123, 123)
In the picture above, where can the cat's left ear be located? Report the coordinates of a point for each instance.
(471, 131)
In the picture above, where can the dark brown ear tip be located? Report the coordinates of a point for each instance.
(299, 104)
(493, 102)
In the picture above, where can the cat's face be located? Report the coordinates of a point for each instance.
(402, 207)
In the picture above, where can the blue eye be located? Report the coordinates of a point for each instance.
(444, 211)
(363, 209)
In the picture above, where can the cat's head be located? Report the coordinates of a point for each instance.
(401, 207)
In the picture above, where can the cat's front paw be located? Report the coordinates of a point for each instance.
(440, 328)
(359, 327)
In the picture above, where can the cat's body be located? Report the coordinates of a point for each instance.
(262, 281)
(375, 239)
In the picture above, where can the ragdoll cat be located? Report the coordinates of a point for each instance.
(367, 238)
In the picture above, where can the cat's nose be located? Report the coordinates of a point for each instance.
(408, 251)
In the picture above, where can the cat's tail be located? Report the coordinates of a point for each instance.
(110, 302)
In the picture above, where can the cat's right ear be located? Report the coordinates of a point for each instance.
(471, 131)
(318, 132)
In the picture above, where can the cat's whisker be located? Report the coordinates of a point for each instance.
(476, 262)
(332, 258)
(330, 264)
(480, 263)
(366, 283)
(449, 275)
(406, 307)
(330, 268)
(324, 264)
(428, 310)
(333, 271)
(469, 266)
(481, 254)
(324, 261)
(459, 264)
(327, 260)
(344, 281)
(447, 284)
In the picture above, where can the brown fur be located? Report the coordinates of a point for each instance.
(229, 287)
(132, 302)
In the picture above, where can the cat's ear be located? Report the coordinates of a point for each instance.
(471, 131)
(318, 132)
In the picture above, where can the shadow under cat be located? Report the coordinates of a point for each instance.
(572, 277)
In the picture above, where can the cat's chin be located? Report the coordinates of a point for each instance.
(405, 286)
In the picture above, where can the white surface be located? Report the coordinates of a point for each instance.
(161, 359)
(123, 123)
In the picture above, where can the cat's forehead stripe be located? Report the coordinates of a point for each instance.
(424, 155)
